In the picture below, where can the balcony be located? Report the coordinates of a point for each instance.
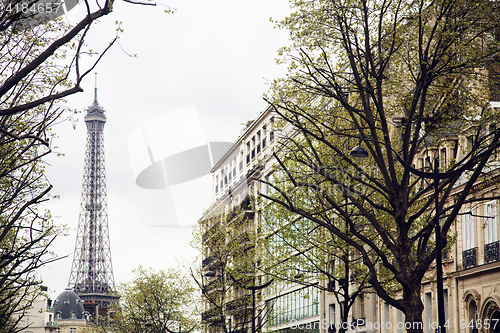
(241, 330)
(207, 261)
(355, 323)
(215, 284)
(239, 303)
(246, 205)
(469, 258)
(491, 252)
(239, 242)
(210, 232)
(51, 324)
(213, 315)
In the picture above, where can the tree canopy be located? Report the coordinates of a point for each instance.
(163, 301)
(43, 59)
(396, 77)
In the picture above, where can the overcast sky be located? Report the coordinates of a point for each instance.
(217, 56)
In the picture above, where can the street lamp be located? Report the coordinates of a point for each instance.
(359, 152)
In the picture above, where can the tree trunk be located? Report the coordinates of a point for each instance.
(413, 308)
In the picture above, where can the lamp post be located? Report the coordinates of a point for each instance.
(359, 153)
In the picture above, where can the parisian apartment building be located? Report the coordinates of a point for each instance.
(252, 302)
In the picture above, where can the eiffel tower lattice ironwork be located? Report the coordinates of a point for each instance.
(92, 272)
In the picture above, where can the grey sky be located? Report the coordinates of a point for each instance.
(216, 55)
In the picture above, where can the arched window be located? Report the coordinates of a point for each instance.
(472, 313)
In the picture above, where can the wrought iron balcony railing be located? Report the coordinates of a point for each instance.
(211, 315)
(210, 232)
(241, 330)
(239, 303)
(207, 261)
(215, 284)
(491, 252)
(469, 258)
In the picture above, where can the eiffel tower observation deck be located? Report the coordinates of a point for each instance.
(92, 272)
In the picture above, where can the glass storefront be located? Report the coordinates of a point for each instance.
(293, 306)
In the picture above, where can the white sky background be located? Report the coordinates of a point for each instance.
(217, 55)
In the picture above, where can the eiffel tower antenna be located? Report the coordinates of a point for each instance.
(95, 90)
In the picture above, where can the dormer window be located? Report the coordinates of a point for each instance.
(72, 315)
(59, 315)
(67, 301)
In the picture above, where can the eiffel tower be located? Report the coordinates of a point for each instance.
(92, 272)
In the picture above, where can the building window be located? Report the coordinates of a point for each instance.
(468, 219)
(362, 306)
(248, 152)
(386, 316)
(72, 330)
(469, 253)
(59, 315)
(72, 315)
(399, 319)
(442, 158)
(446, 313)
(491, 222)
(296, 305)
(491, 249)
(472, 312)
(428, 312)
(332, 318)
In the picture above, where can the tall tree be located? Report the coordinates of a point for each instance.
(230, 277)
(397, 77)
(42, 61)
(299, 253)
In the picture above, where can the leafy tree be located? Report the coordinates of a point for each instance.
(397, 77)
(230, 278)
(42, 61)
(161, 302)
(298, 252)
